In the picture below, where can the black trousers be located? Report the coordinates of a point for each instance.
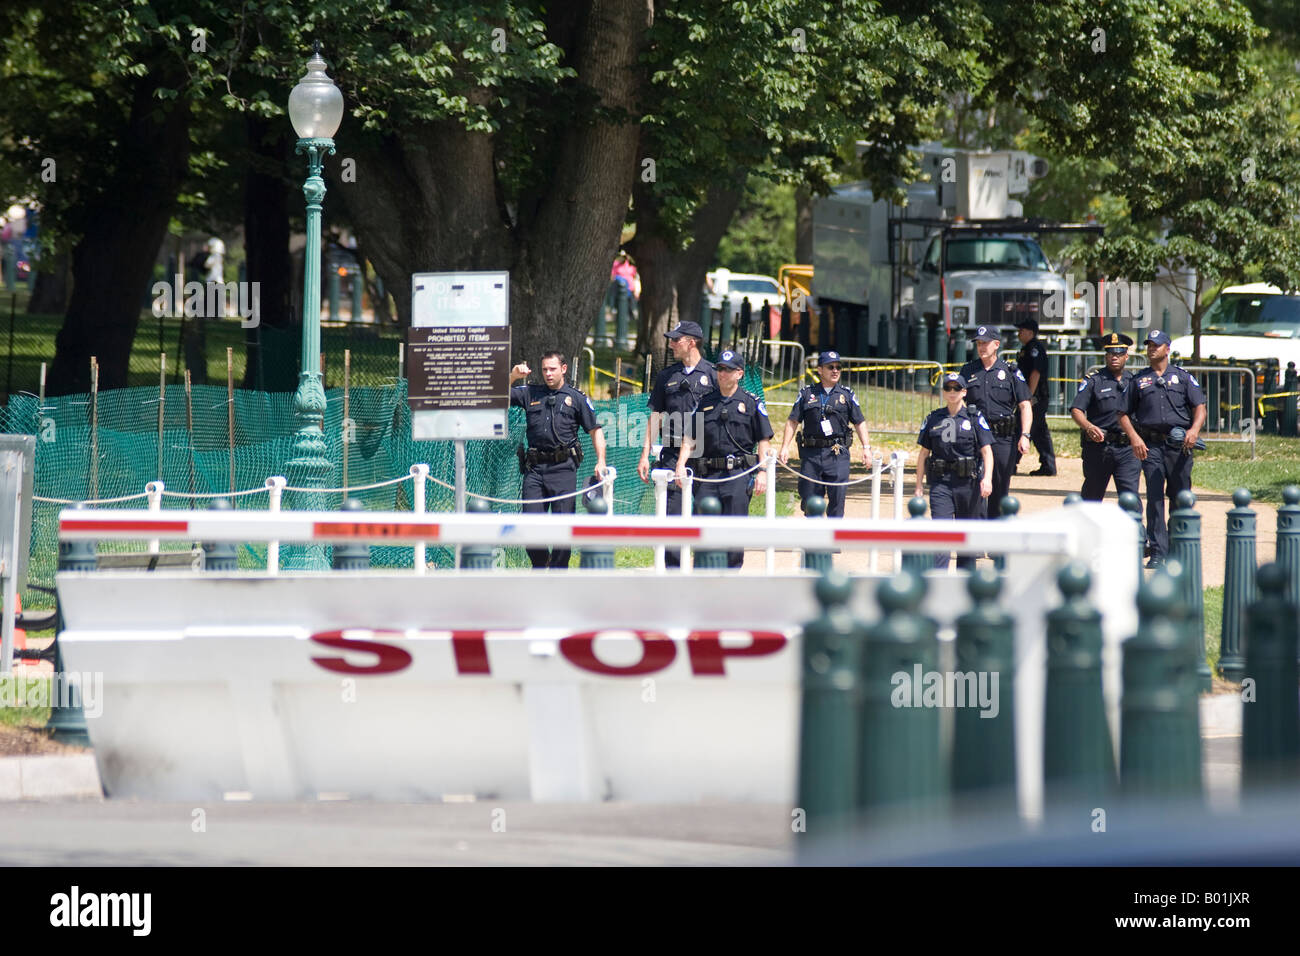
(1041, 436)
(544, 481)
(734, 495)
(955, 498)
(1167, 473)
(823, 464)
(1004, 466)
(1101, 461)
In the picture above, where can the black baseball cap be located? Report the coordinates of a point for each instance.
(729, 359)
(685, 328)
(987, 333)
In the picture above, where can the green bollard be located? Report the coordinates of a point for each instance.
(959, 345)
(815, 507)
(710, 506)
(1131, 503)
(621, 320)
(883, 348)
(598, 332)
(1288, 540)
(1160, 741)
(828, 724)
(220, 555)
(922, 354)
(706, 321)
(1238, 585)
(918, 561)
(1073, 498)
(67, 724)
(724, 330)
(1009, 508)
(476, 557)
(593, 556)
(1270, 722)
(351, 555)
(1078, 760)
(984, 737)
(1185, 548)
(334, 293)
(902, 774)
(1288, 418)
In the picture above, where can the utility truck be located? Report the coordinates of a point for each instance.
(959, 254)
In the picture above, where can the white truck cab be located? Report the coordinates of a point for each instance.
(1249, 322)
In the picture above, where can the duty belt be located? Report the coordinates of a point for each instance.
(1151, 434)
(959, 468)
(1003, 427)
(712, 466)
(1117, 437)
(811, 442)
(537, 456)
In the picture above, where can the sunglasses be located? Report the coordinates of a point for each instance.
(952, 388)
(833, 368)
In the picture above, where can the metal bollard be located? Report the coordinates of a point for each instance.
(598, 328)
(220, 555)
(1078, 759)
(710, 560)
(1009, 507)
(724, 332)
(1185, 548)
(828, 724)
(592, 556)
(959, 346)
(706, 321)
(902, 774)
(1160, 741)
(351, 555)
(621, 322)
(67, 724)
(918, 561)
(984, 738)
(1238, 585)
(883, 347)
(1288, 419)
(1131, 503)
(816, 560)
(921, 351)
(476, 557)
(1073, 498)
(1270, 723)
(1288, 540)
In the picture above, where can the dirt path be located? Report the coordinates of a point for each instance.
(1045, 494)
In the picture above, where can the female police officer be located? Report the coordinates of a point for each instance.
(956, 457)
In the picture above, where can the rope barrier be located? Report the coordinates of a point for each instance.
(352, 488)
(215, 494)
(88, 501)
(830, 484)
(741, 474)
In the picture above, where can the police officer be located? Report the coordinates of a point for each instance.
(829, 413)
(1096, 408)
(998, 391)
(677, 391)
(1032, 363)
(736, 436)
(1164, 413)
(956, 458)
(554, 412)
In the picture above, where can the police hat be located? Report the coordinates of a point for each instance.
(1027, 322)
(1157, 337)
(987, 333)
(952, 377)
(729, 359)
(826, 358)
(685, 328)
(1116, 341)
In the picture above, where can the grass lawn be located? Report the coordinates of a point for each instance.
(24, 701)
(1213, 625)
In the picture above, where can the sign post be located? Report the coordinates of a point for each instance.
(458, 361)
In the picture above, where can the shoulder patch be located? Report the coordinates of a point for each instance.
(983, 424)
(1033, 353)
(762, 409)
(1020, 375)
(589, 405)
(1192, 378)
(1083, 384)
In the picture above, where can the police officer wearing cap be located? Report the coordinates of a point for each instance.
(998, 391)
(1032, 363)
(676, 392)
(554, 412)
(956, 458)
(1102, 397)
(830, 414)
(736, 435)
(1163, 417)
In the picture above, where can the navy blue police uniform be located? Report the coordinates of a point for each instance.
(997, 393)
(676, 393)
(828, 418)
(954, 468)
(550, 465)
(732, 427)
(1033, 358)
(1156, 404)
(1103, 398)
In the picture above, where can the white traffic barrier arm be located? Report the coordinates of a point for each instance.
(154, 492)
(419, 477)
(275, 489)
(771, 505)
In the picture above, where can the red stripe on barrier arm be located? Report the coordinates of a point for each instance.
(81, 524)
(938, 537)
(347, 529)
(580, 532)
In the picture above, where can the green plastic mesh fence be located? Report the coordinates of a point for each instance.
(111, 448)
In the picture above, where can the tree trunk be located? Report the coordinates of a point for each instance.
(803, 225)
(430, 200)
(113, 261)
(50, 296)
(272, 364)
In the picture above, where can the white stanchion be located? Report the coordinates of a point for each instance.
(896, 462)
(771, 505)
(607, 488)
(688, 507)
(661, 477)
(876, 468)
(275, 489)
(419, 477)
(154, 491)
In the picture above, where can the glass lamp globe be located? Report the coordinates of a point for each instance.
(315, 104)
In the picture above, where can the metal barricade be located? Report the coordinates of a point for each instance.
(1064, 370)
(782, 365)
(895, 394)
(1230, 403)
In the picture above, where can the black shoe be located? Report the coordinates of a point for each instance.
(1042, 473)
